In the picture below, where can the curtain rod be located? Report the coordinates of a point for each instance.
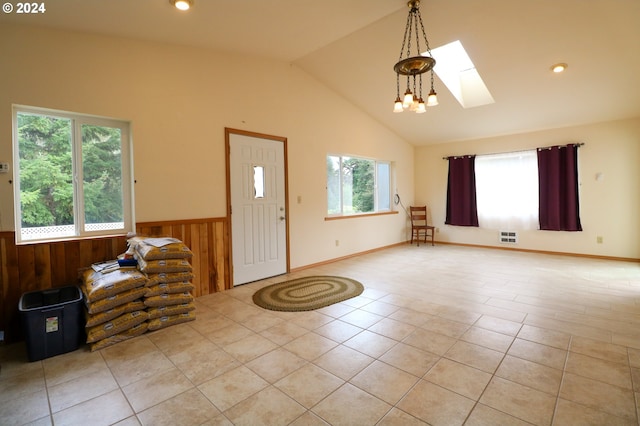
(579, 144)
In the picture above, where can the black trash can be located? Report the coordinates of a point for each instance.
(52, 321)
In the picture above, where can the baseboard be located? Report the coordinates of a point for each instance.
(556, 253)
(337, 259)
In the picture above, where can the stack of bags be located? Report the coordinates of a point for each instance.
(166, 264)
(114, 301)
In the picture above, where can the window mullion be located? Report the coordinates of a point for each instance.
(16, 183)
(78, 177)
(340, 182)
(376, 206)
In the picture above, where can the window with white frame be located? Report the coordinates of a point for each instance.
(73, 175)
(357, 185)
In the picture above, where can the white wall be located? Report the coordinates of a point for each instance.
(609, 207)
(179, 100)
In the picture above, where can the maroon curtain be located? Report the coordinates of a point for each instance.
(462, 209)
(558, 181)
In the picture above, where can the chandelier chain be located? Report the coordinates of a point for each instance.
(415, 23)
(409, 37)
(424, 34)
(407, 30)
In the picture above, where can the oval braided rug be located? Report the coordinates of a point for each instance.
(306, 294)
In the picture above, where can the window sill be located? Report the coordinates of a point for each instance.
(353, 216)
(73, 239)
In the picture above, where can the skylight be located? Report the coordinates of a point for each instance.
(457, 72)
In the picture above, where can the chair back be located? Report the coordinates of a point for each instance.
(418, 215)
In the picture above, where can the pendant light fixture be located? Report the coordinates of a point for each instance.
(414, 66)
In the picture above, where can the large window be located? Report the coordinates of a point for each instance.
(535, 189)
(357, 185)
(507, 190)
(73, 175)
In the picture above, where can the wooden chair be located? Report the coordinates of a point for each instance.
(419, 224)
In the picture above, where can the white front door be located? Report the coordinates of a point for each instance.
(258, 206)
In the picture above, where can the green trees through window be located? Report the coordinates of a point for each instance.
(102, 174)
(73, 175)
(352, 183)
(46, 187)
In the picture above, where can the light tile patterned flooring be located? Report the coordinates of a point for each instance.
(442, 335)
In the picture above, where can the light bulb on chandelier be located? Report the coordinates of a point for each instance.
(432, 99)
(397, 106)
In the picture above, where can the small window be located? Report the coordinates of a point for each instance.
(357, 185)
(258, 182)
(73, 175)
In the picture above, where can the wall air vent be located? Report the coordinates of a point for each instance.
(508, 237)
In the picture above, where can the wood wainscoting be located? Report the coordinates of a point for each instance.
(41, 266)
(208, 239)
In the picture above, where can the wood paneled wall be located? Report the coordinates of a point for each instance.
(208, 239)
(40, 266)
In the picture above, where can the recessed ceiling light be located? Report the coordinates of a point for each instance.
(182, 4)
(557, 68)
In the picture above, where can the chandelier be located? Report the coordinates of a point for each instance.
(414, 66)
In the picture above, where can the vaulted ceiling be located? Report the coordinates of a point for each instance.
(351, 46)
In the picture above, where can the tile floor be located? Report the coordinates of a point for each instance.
(442, 335)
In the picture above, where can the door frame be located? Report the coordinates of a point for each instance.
(227, 147)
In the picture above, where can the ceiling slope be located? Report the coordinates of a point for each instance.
(351, 46)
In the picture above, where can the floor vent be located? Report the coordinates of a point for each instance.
(509, 237)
